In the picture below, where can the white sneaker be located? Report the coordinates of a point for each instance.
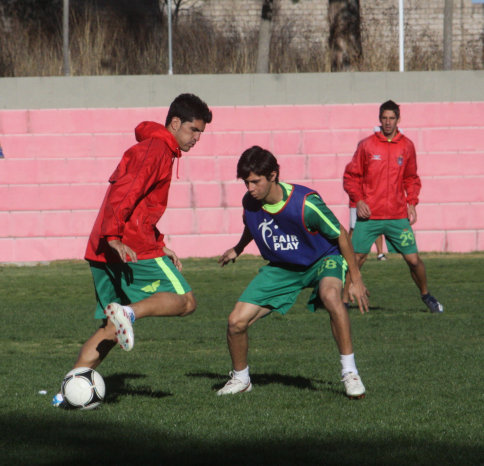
(353, 385)
(124, 329)
(234, 386)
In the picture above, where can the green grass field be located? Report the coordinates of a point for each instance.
(424, 402)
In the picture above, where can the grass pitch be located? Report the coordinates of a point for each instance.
(424, 402)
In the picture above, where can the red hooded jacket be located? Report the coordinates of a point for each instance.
(137, 197)
(383, 173)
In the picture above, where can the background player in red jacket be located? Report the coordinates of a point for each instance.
(382, 180)
(135, 274)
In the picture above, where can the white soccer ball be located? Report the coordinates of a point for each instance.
(83, 388)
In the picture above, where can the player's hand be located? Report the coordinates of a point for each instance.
(123, 250)
(228, 256)
(173, 257)
(362, 209)
(358, 291)
(412, 214)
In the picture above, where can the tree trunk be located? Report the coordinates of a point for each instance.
(265, 33)
(448, 16)
(344, 34)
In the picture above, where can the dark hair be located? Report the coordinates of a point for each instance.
(188, 107)
(258, 161)
(390, 105)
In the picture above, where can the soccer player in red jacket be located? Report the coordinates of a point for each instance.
(135, 274)
(382, 180)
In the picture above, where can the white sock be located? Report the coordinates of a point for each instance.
(348, 364)
(242, 375)
(130, 312)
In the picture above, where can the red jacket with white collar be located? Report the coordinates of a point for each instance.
(383, 173)
(137, 197)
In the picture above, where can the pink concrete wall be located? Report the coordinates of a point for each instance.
(57, 163)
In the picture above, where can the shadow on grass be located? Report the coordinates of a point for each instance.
(118, 386)
(300, 382)
(389, 310)
(78, 439)
(354, 307)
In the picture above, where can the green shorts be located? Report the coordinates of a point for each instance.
(398, 235)
(277, 287)
(134, 281)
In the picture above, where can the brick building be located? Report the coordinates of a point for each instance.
(307, 22)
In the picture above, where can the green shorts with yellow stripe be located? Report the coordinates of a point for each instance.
(126, 283)
(277, 287)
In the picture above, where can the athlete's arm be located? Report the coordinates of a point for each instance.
(123, 250)
(173, 257)
(354, 174)
(357, 288)
(411, 180)
(131, 181)
(363, 209)
(412, 214)
(232, 253)
(318, 217)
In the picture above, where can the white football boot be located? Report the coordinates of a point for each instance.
(124, 328)
(234, 386)
(353, 385)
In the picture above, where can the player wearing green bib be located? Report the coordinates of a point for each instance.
(306, 248)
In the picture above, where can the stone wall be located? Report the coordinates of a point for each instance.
(307, 21)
